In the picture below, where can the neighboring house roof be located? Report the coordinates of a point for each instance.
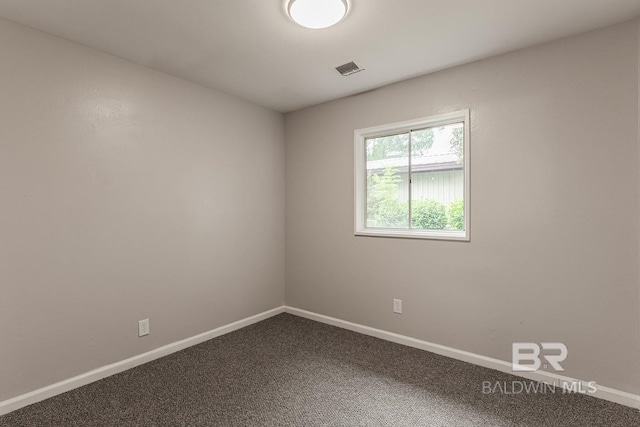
(441, 156)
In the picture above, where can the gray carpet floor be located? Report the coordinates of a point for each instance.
(289, 371)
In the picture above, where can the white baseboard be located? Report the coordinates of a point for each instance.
(605, 393)
(106, 371)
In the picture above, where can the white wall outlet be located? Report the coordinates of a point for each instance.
(397, 306)
(143, 327)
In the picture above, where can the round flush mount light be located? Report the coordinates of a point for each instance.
(317, 13)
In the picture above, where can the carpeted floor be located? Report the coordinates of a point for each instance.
(289, 371)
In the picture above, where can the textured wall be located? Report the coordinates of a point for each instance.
(125, 194)
(554, 251)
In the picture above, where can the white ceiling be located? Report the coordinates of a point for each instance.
(251, 49)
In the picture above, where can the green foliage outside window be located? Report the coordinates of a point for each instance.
(428, 214)
(456, 215)
(384, 210)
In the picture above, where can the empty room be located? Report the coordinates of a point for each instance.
(319, 213)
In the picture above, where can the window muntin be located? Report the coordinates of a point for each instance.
(412, 178)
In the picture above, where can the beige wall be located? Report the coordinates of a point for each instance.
(554, 210)
(125, 194)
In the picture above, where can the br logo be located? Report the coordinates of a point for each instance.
(530, 352)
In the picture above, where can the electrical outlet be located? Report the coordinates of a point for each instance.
(143, 327)
(397, 306)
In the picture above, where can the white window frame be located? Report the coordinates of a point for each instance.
(360, 196)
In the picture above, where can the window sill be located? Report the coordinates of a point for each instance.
(458, 236)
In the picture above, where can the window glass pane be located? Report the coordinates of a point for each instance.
(437, 178)
(387, 184)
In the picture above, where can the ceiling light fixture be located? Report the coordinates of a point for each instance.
(317, 13)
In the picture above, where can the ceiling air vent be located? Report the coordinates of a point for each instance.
(348, 69)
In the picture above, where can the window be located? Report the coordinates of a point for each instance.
(412, 178)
